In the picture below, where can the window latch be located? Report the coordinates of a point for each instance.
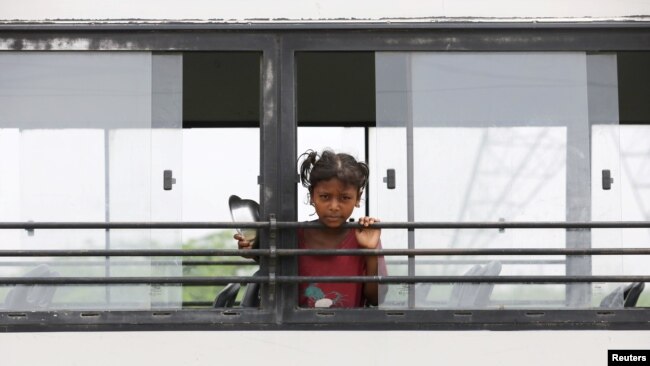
(607, 179)
(168, 180)
(389, 179)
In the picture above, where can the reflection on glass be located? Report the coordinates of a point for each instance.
(78, 146)
(623, 150)
(492, 137)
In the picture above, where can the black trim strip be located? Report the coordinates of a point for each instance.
(358, 24)
(347, 319)
(495, 39)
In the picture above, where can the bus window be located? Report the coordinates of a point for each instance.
(88, 137)
(493, 137)
(221, 157)
(622, 151)
(81, 144)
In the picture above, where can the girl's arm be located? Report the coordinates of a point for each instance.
(371, 289)
(369, 238)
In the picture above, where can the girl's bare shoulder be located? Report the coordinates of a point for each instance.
(322, 239)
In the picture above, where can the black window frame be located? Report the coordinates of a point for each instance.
(279, 44)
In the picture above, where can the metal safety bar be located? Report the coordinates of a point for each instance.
(319, 252)
(210, 281)
(132, 263)
(295, 225)
(273, 252)
(22, 263)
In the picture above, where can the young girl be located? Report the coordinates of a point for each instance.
(335, 183)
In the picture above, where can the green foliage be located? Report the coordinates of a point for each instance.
(644, 300)
(221, 239)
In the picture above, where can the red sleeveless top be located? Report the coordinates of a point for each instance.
(335, 295)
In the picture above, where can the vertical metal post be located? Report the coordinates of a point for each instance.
(107, 212)
(410, 190)
(578, 207)
(578, 193)
(287, 179)
(366, 151)
(273, 180)
(273, 258)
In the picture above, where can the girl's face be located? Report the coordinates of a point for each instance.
(334, 201)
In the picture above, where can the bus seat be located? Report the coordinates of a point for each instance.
(470, 295)
(32, 297)
(614, 299)
(461, 292)
(632, 294)
(226, 297)
(623, 296)
(484, 290)
(421, 294)
(252, 294)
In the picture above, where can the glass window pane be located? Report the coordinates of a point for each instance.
(221, 157)
(491, 137)
(83, 150)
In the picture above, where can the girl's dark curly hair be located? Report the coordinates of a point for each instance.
(316, 168)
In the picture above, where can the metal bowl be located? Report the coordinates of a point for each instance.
(244, 210)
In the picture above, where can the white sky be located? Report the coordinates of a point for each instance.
(314, 9)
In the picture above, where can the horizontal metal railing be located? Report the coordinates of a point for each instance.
(274, 253)
(131, 263)
(212, 281)
(158, 262)
(295, 225)
(319, 252)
